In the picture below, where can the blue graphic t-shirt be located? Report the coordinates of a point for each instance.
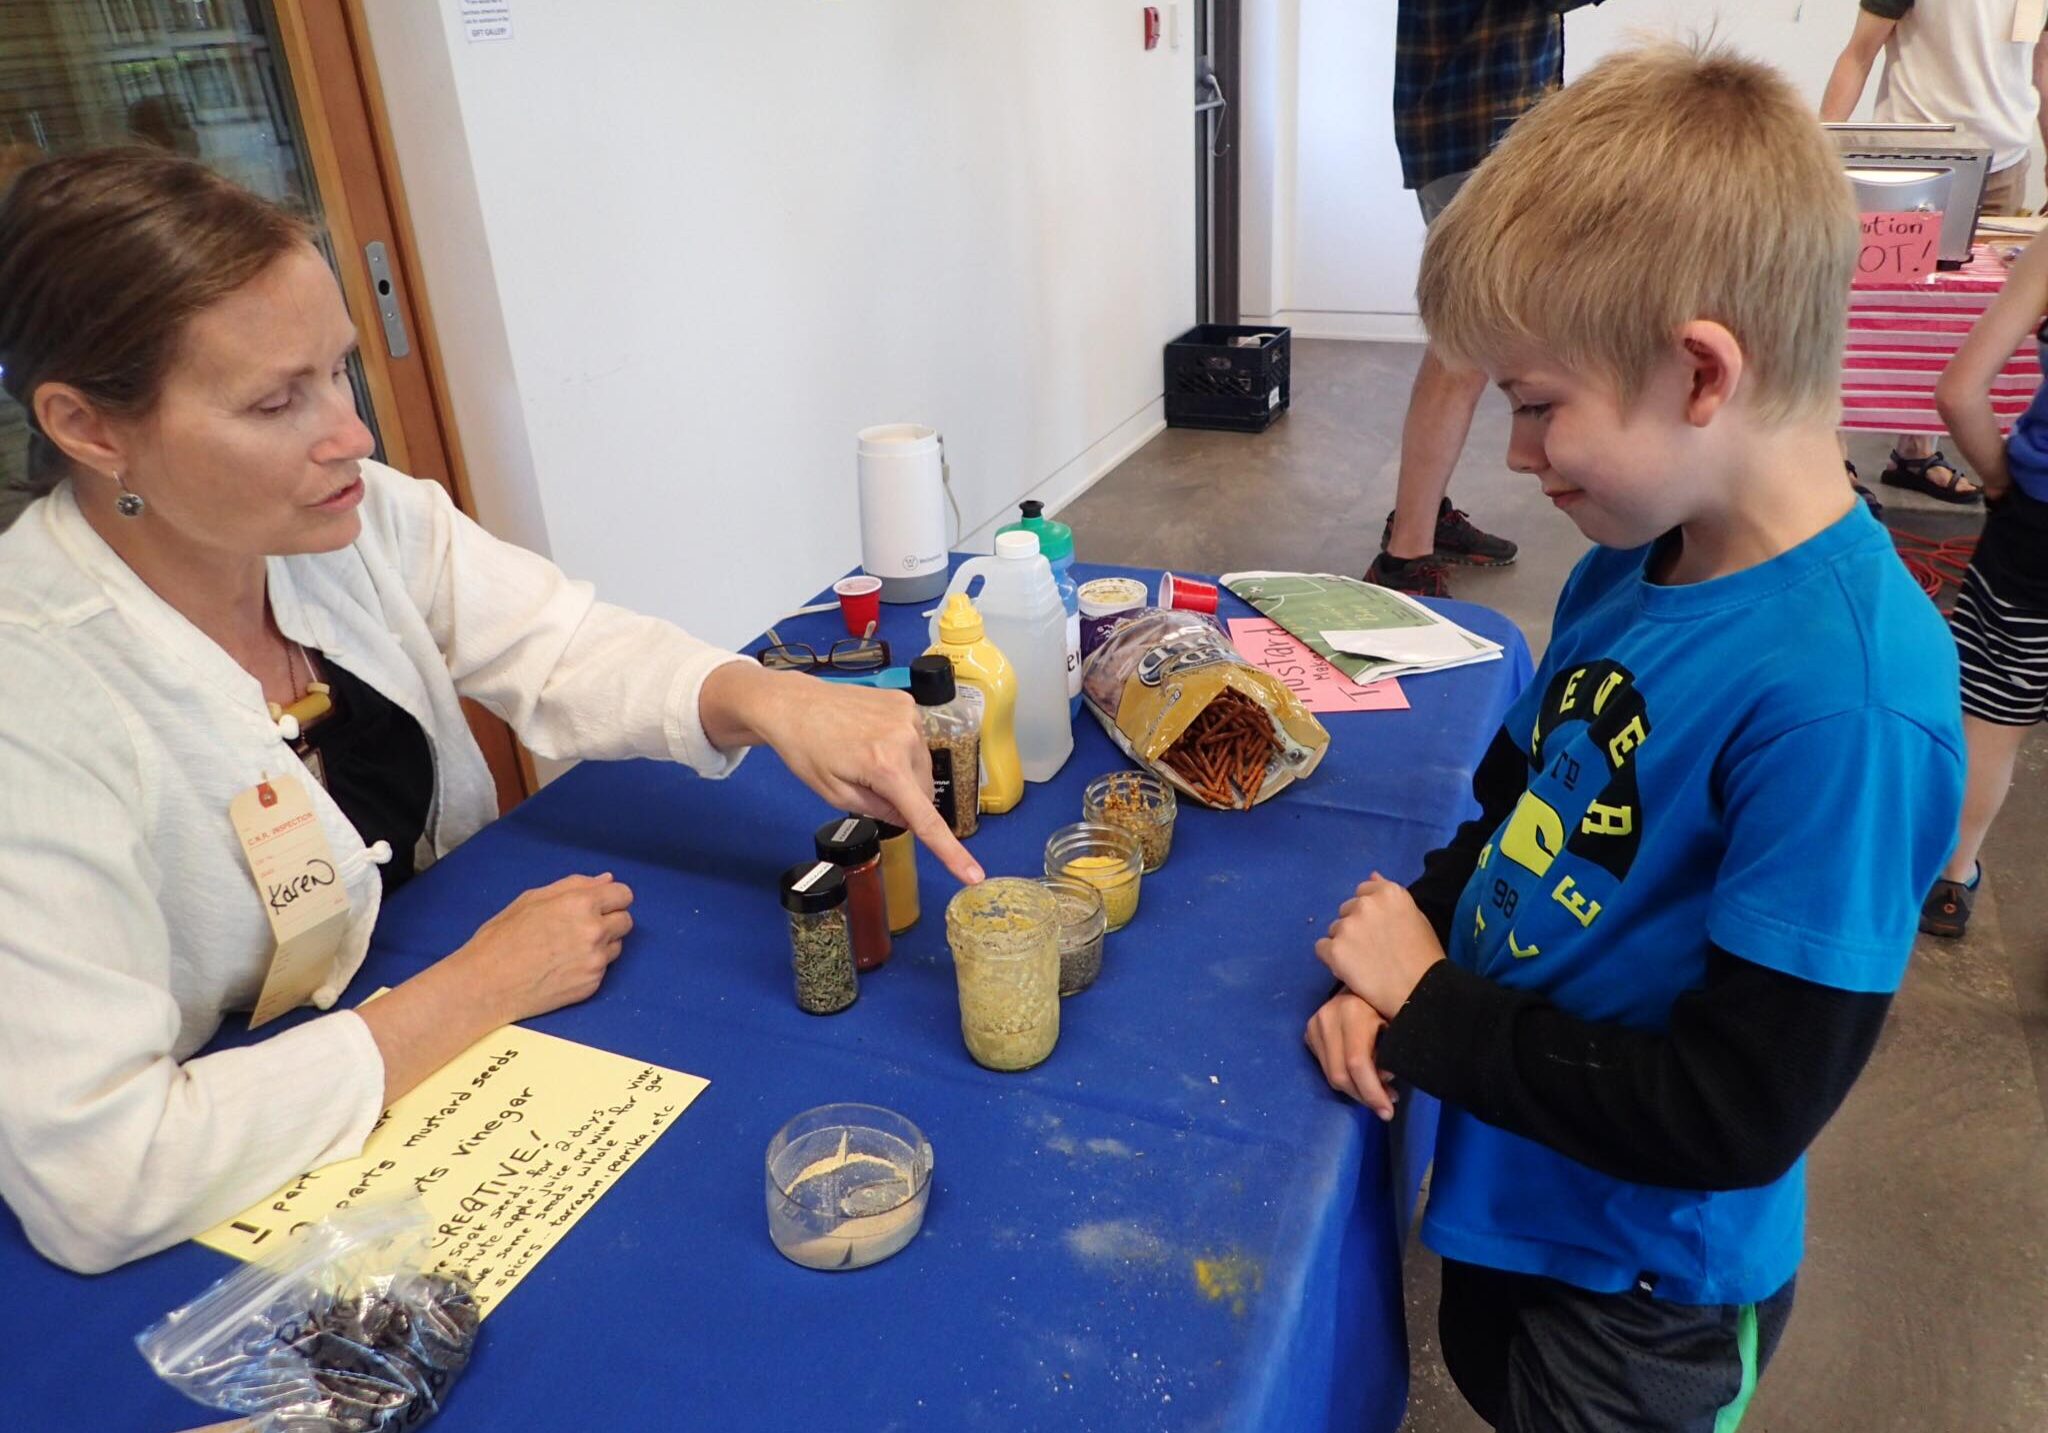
(2026, 448)
(1770, 762)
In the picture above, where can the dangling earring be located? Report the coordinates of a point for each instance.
(128, 504)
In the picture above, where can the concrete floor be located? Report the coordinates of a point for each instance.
(1923, 1303)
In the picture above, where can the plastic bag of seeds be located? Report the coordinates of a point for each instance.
(1175, 695)
(343, 1329)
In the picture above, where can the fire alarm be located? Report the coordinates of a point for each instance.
(1151, 27)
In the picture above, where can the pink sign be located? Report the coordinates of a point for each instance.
(1321, 687)
(1898, 248)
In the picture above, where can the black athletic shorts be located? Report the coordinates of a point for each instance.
(1532, 1355)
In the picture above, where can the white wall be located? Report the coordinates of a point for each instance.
(679, 251)
(1332, 240)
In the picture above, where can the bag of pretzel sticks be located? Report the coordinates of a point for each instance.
(1174, 694)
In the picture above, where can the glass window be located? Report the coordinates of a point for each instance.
(204, 78)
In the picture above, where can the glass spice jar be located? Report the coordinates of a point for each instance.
(899, 876)
(854, 844)
(1108, 858)
(820, 937)
(1139, 802)
(952, 717)
(1083, 926)
(1006, 957)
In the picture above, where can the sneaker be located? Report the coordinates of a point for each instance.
(1417, 576)
(1457, 540)
(1946, 912)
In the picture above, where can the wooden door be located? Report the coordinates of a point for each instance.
(282, 96)
(334, 75)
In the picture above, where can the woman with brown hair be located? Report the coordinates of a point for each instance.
(216, 560)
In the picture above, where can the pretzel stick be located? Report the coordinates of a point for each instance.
(1223, 754)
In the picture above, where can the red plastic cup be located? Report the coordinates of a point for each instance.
(1187, 594)
(860, 602)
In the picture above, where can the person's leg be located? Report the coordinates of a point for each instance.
(1440, 409)
(1633, 1363)
(1423, 530)
(2003, 652)
(2002, 647)
(1994, 749)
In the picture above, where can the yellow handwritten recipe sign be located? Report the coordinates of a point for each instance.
(508, 1146)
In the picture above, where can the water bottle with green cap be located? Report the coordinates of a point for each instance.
(1056, 545)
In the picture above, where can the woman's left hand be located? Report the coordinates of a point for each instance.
(1381, 945)
(861, 749)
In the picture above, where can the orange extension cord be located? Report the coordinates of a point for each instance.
(1934, 565)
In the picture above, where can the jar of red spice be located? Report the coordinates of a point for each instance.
(854, 844)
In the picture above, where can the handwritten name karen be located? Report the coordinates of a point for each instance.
(318, 873)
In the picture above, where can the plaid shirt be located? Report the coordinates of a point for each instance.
(1464, 70)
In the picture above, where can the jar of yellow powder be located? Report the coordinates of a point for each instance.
(899, 876)
(1006, 955)
(1108, 858)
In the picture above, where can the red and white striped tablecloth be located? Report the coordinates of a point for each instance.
(1902, 335)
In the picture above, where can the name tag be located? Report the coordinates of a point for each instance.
(301, 886)
(2028, 17)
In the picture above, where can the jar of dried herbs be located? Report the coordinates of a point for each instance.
(1139, 802)
(820, 937)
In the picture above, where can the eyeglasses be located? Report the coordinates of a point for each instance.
(848, 654)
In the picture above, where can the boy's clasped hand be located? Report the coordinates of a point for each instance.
(1380, 946)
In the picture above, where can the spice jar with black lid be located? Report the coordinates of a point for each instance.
(820, 937)
(854, 845)
(952, 717)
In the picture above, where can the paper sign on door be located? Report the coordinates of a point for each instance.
(487, 21)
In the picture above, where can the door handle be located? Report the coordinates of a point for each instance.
(385, 287)
(1215, 105)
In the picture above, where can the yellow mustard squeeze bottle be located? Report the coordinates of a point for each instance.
(979, 663)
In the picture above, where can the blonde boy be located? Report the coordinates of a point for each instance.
(1644, 978)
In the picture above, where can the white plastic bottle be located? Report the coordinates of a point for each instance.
(1023, 615)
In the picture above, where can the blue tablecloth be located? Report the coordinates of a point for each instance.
(1170, 1224)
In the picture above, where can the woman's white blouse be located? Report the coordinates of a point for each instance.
(129, 921)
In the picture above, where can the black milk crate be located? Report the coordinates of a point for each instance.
(1211, 383)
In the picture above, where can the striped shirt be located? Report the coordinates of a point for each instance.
(1465, 70)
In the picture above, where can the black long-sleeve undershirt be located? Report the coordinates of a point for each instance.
(1750, 1067)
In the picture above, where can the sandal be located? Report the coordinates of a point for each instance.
(1917, 474)
(1869, 498)
(1946, 912)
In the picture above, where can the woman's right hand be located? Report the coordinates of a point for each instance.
(551, 947)
(862, 750)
